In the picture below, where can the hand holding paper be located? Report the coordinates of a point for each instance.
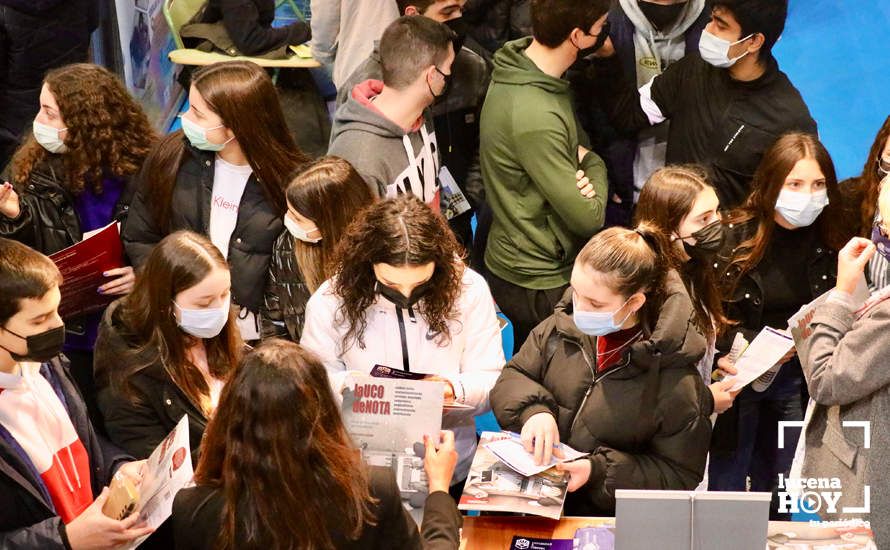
(512, 453)
(764, 352)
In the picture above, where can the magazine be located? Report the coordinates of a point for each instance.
(493, 486)
(167, 470)
(387, 419)
(82, 266)
(379, 371)
(841, 535)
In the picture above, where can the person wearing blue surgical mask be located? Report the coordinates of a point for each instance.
(166, 350)
(779, 253)
(222, 175)
(612, 372)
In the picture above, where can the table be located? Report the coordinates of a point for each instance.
(497, 532)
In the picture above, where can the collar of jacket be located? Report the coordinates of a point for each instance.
(770, 73)
(672, 343)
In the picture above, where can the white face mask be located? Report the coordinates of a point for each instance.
(48, 137)
(206, 322)
(715, 50)
(298, 232)
(801, 209)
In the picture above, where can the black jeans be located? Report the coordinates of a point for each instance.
(524, 307)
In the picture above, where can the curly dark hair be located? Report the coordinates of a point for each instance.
(108, 132)
(400, 231)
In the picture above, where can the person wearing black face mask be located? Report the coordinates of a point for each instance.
(455, 111)
(647, 37)
(53, 465)
(401, 298)
(680, 202)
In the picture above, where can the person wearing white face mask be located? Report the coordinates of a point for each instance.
(321, 201)
(166, 350)
(727, 103)
(779, 254)
(74, 175)
(613, 372)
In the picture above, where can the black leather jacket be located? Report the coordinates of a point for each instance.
(48, 221)
(284, 305)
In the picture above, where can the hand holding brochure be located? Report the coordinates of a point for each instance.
(82, 266)
(511, 452)
(760, 356)
(379, 371)
(167, 470)
(495, 487)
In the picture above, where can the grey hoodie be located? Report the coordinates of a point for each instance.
(378, 148)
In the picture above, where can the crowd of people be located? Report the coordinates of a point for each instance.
(641, 185)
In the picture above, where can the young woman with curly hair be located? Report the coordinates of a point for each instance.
(73, 175)
(401, 298)
(223, 175)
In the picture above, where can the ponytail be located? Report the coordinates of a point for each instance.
(633, 260)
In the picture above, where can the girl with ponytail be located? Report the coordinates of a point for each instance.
(613, 372)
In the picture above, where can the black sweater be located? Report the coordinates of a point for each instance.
(723, 124)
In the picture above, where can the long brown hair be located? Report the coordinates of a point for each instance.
(278, 450)
(870, 180)
(760, 208)
(666, 199)
(330, 193)
(244, 97)
(108, 133)
(632, 261)
(400, 231)
(180, 261)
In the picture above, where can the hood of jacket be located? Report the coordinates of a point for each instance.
(673, 342)
(512, 66)
(358, 113)
(688, 15)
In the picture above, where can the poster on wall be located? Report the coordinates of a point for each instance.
(145, 41)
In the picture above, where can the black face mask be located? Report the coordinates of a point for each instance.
(447, 78)
(399, 299)
(42, 346)
(708, 241)
(659, 15)
(585, 53)
(460, 29)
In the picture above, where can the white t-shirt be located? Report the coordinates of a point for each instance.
(229, 181)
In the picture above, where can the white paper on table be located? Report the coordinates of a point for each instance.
(761, 354)
(167, 470)
(513, 454)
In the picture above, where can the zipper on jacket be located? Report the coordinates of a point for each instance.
(405, 363)
(593, 382)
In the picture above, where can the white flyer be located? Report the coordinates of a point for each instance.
(762, 354)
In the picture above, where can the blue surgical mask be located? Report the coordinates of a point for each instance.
(597, 323)
(197, 136)
(801, 209)
(49, 138)
(715, 50)
(207, 322)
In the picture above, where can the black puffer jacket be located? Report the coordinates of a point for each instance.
(250, 248)
(284, 306)
(48, 221)
(644, 421)
(29, 520)
(140, 425)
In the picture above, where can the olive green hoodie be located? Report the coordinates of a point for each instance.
(529, 157)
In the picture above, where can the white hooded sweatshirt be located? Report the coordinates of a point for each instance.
(472, 361)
